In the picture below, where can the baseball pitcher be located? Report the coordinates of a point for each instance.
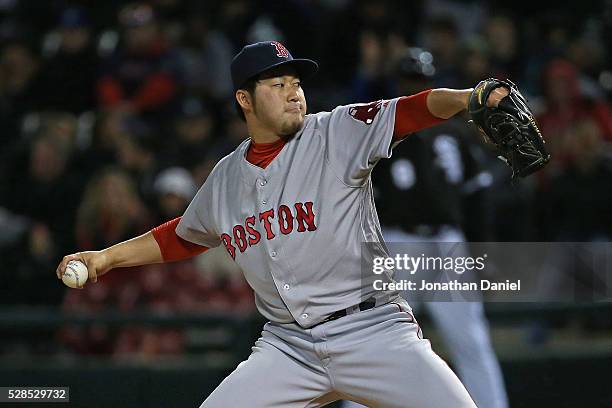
(292, 205)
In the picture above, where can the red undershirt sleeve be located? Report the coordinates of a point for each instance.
(173, 247)
(412, 115)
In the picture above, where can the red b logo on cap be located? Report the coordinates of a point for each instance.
(281, 51)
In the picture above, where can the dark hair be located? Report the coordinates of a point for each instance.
(248, 86)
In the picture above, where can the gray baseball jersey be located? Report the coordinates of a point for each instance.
(296, 227)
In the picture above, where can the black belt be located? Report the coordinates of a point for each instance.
(365, 305)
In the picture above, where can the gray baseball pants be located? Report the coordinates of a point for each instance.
(376, 357)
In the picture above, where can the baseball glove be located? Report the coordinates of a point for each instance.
(510, 127)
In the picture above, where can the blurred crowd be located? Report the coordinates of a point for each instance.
(113, 113)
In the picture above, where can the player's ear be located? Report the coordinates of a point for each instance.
(244, 99)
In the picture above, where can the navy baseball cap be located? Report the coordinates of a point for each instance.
(256, 58)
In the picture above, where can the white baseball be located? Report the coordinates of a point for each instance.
(75, 274)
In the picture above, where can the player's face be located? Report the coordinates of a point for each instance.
(280, 104)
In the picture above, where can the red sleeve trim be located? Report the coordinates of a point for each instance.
(173, 247)
(412, 115)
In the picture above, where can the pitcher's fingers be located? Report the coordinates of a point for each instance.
(62, 266)
(93, 276)
(496, 96)
(65, 261)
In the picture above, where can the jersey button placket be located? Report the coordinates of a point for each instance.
(260, 183)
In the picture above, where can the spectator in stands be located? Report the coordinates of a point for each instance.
(39, 187)
(111, 209)
(101, 148)
(61, 127)
(235, 132)
(171, 16)
(175, 189)
(19, 92)
(588, 53)
(578, 204)
(378, 54)
(503, 42)
(45, 196)
(69, 74)
(475, 62)
(204, 57)
(202, 168)
(139, 76)
(565, 105)
(442, 38)
(191, 134)
(235, 17)
(137, 152)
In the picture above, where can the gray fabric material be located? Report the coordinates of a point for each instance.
(301, 276)
(375, 357)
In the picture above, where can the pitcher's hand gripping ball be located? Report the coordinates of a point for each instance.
(510, 127)
(75, 274)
